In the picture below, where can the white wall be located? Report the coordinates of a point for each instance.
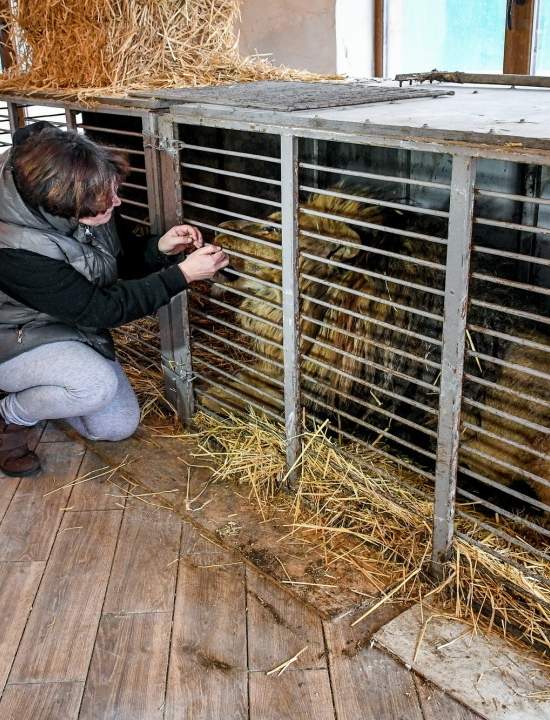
(324, 36)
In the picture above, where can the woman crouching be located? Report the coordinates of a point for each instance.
(65, 278)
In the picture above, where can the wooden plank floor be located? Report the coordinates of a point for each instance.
(115, 608)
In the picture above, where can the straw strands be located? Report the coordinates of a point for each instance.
(387, 512)
(111, 46)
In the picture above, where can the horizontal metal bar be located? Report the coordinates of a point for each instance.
(134, 202)
(366, 341)
(224, 403)
(374, 250)
(133, 169)
(504, 488)
(510, 311)
(506, 441)
(259, 281)
(515, 198)
(513, 226)
(227, 287)
(214, 319)
(369, 426)
(134, 351)
(376, 226)
(233, 308)
(524, 342)
(242, 236)
(506, 561)
(231, 153)
(372, 386)
(136, 220)
(133, 185)
(123, 149)
(140, 341)
(515, 541)
(233, 409)
(512, 255)
(374, 176)
(250, 258)
(521, 422)
(513, 366)
(230, 213)
(465, 449)
(501, 511)
(370, 446)
(236, 346)
(228, 193)
(378, 276)
(110, 130)
(237, 363)
(363, 403)
(375, 201)
(511, 283)
(507, 390)
(375, 298)
(368, 318)
(218, 171)
(234, 379)
(369, 363)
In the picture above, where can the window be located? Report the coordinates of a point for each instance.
(485, 36)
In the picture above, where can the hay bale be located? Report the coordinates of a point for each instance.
(110, 46)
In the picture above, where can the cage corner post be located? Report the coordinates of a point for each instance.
(291, 300)
(175, 333)
(452, 360)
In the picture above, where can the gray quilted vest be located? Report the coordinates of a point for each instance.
(93, 255)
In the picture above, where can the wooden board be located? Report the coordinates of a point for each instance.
(368, 683)
(95, 492)
(8, 485)
(59, 637)
(207, 677)
(127, 675)
(279, 626)
(436, 704)
(145, 566)
(31, 521)
(295, 695)
(41, 701)
(18, 585)
(485, 674)
(230, 519)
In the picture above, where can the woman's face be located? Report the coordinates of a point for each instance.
(105, 216)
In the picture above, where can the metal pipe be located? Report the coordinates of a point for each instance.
(136, 220)
(505, 489)
(368, 318)
(521, 422)
(515, 198)
(112, 131)
(512, 366)
(119, 148)
(374, 298)
(236, 379)
(513, 226)
(134, 202)
(374, 250)
(511, 283)
(219, 303)
(505, 441)
(375, 201)
(241, 176)
(373, 343)
(466, 449)
(227, 287)
(452, 360)
(376, 226)
(510, 311)
(291, 302)
(372, 386)
(525, 342)
(375, 176)
(232, 153)
(512, 255)
(240, 348)
(242, 236)
(507, 390)
(239, 196)
(230, 213)
(214, 319)
(369, 363)
(237, 363)
(259, 281)
(224, 403)
(378, 276)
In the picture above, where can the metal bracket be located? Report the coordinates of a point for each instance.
(171, 146)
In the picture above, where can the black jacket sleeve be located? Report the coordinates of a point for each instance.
(56, 288)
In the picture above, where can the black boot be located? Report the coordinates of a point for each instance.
(16, 460)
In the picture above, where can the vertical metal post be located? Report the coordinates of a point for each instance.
(149, 129)
(452, 360)
(175, 329)
(291, 299)
(70, 118)
(527, 242)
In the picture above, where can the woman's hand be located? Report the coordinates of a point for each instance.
(180, 238)
(203, 263)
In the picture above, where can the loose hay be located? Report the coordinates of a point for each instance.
(360, 494)
(95, 47)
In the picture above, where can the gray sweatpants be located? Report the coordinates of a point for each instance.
(70, 381)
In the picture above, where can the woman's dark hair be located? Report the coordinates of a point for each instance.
(64, 172)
